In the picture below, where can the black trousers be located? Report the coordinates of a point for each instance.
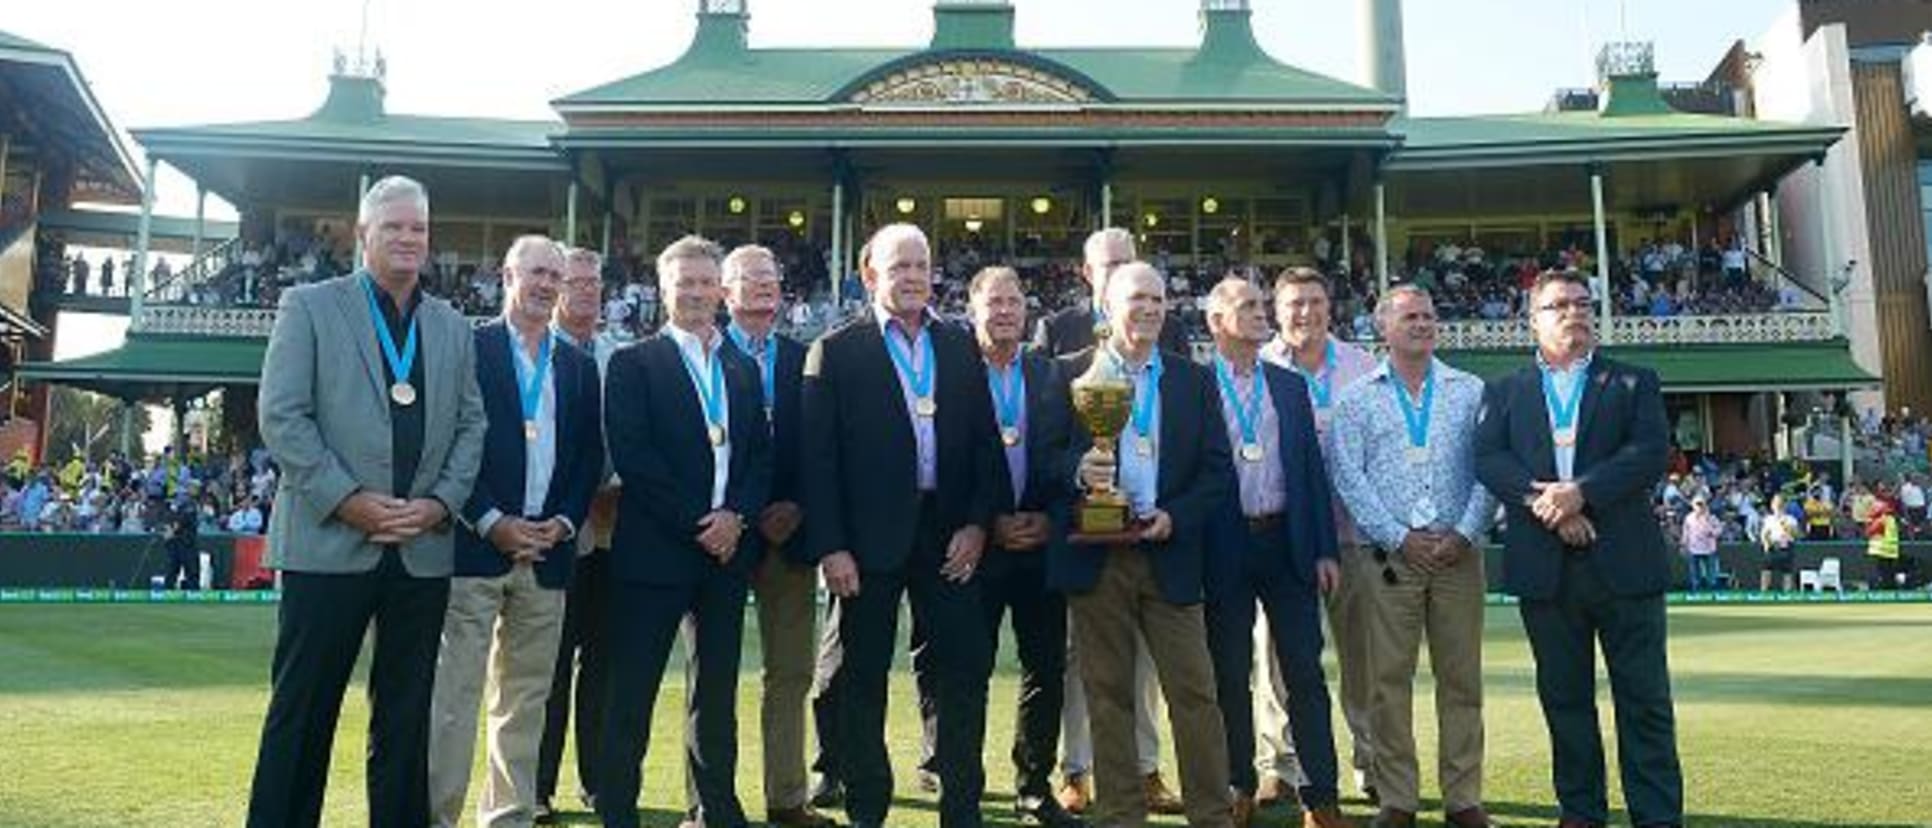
(1294, 608)
(1564, 634)
(825, 698)
(581, 656)
(642, 621)
(184, 567)
(322, 621)
(866, 628)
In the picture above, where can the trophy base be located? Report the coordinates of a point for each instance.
(1103, 522)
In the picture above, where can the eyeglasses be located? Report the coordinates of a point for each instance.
(1563, 306)
(1388, 569)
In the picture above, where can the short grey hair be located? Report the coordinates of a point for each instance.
(692, 247)
(741, 256)
(1224, 296)
(1105, 236)
(1387, 302)
(573, 255)
(388, 189)
(526, 241)
(891, 234)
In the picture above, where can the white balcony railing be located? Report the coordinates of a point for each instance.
(1753, 328)
(196, 320)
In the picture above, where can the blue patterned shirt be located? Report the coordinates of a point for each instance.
(1385, 492)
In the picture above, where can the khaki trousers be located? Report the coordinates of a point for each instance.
(1274, 753)
(1447, 609)
(1349, 622)
(1126, 600)
(500, 639)
(787, 601)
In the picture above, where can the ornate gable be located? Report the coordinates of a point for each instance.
(971, 81)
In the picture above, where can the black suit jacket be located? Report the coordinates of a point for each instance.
(1049, 480)
(499, 483)
(659, 447)
(860, 478)
(1194, 479)
(1622, 449)
(787, 428)
(1070, 330)
(1308, 530)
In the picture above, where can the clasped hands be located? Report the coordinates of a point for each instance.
(1431, 551)
(523, 540)
(390, 520)
(1559, 506)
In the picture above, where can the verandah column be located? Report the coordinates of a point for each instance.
(1603, 254)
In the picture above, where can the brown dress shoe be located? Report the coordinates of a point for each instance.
(1470, 817)
(1393, 818)
(1076, 793)
(1243, 810)
(1327, 816)
(800, 817)
(1160, 800)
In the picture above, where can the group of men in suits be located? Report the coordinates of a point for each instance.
(510, 521)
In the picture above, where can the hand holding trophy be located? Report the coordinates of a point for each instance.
(1103, 397)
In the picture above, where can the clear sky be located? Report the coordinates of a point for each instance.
(207, 61)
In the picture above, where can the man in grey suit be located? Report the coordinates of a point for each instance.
(369, 404)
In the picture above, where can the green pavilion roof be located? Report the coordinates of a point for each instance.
(1682, 369)
(151, 367)
(61, 112)
(1463, 141)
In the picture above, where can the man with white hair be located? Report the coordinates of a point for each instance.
(901, 489)
(543, 455)
(370, 404)
(1173, 468)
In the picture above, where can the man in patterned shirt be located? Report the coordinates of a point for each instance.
(1403, 462)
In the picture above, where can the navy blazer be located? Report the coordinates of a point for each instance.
(1049, 480)
(499, 484)
(659, 447)
(860, 478)
(1194, 479)
(1622, 451)
(787, 435)
(1308, 525)
(1069, 331)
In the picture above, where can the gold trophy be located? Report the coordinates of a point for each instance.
(1104, 399)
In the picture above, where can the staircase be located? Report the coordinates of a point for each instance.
(175, 289)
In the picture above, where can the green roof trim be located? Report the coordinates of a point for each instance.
(1589, 135)
(153, 366)
(9, 40)
(1801, 366)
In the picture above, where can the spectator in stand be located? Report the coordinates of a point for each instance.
(107, 276)
(1881, 545)
(1776, 536)
(1701, 532)
(80, 271)
(1818, 514)
(1911, 498)
(246, 520)
(180, 534)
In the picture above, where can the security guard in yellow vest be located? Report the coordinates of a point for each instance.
(1882, 546)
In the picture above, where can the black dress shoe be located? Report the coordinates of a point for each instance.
(829, 793)
(1045, 811)
(544, 814)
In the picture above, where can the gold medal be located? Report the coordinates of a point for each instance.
(1144, 446)
(403, 394)
(1565, 437)
(925, 407)
(1251, 452)
(530, 430)
(717, 434)
(1417, 455)
(1010, 435)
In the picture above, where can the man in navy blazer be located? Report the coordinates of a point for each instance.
(686, 426)
(900, 489)
(541, 464)
(1173, 469)
(1272, 541)
(1573, 445)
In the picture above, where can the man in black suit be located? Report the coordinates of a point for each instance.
(686, 425)
(1068, 331)
(901, 487)
(1032, 411)
(1173, 468)
(1272, 542)
(542, 457)
(785, 583)
(1572, 446)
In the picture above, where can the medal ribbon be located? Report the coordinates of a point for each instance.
(1562, 411)
(399, 364)
(1008, 385)
(767, 359)
(1146, 397)
(1416, 417)
(918, 375)
(530, 388)
(1247, 411)
(711, 393)
(1321, 383)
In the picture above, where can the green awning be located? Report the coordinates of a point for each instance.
(1689, 369)
(154, 367)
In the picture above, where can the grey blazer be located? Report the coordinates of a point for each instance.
(324, 414)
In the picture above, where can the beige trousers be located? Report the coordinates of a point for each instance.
(1446, 608)
(500, 639)
(1349, 622)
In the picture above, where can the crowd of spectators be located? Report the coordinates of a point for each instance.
(231, 493)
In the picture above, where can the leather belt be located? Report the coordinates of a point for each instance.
(1265, 523)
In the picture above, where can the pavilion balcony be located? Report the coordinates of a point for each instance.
(1732, 329)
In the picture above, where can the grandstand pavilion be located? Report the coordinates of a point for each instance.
(1219, 156)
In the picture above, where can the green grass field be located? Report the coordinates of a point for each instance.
(1789, 717)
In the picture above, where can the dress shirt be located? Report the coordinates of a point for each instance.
(1140, 477)
(1375, 476)
(923, 434)
(1263, 491)
(1001, 375)
(698, 356)
(1351, 364)
(539, 455)
(1565, 382)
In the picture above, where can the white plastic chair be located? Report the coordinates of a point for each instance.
(1807, 580)
(1831, 575)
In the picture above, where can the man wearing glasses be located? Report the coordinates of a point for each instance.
(1404, 465)
(1572, 445)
